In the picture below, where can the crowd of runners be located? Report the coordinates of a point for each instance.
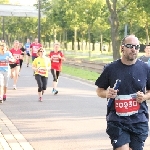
(11, 60)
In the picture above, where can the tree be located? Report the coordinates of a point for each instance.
(114, 22)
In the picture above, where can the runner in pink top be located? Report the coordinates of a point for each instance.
(56, 57)
(15, 66)
(34, 48)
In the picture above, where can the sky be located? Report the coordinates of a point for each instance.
(23, 2)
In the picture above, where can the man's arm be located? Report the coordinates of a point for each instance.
(101, 92)
(108, 93)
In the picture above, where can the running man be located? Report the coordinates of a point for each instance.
(41, 66)
(127, 111)
(56, 58)
(5, 57)
(27, 48)
(15, 66)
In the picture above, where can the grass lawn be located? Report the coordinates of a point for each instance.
(81, 73)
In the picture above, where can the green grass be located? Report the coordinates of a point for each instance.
(81, 73)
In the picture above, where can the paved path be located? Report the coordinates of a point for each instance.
(72, 120)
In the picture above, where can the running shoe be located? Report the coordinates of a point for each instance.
(1, 101)
(4, 97)
(40, 99)
(14, 87)
(27, 65)
(54, 92)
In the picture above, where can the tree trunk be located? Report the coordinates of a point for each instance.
(75, 38)
(147, 33)
(63, 41)
(54, 35)
(114, 28)
(89, 41)
(101, 43)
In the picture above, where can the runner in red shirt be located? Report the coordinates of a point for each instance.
(56, 58)
(34, 48)
(15, 66)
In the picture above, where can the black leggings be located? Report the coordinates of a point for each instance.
(55, 74)
(21, 61)
(41, 81)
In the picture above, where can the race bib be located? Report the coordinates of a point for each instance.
(3, 63)
(35, 49)
(42, 71)
(126, 105)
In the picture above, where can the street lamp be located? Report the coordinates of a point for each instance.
(125, 30)
(39, 21)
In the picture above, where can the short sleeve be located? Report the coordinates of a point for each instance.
(103, 79)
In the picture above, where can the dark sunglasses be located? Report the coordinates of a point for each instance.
(41, 51)
(137, 47)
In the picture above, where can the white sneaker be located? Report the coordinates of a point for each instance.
(14, 87)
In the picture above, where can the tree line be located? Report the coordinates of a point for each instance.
(89, 21)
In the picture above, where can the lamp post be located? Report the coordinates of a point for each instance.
(39, 21)
(125, 30)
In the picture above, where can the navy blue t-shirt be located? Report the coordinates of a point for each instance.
(133, 78)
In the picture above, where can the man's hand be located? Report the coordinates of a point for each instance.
(140, 97)
(111, 93)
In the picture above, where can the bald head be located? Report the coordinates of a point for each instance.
(130, 38)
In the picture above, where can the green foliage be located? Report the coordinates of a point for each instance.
(64, 16)
(4, 1)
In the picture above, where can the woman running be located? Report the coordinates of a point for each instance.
(5, 57)
(56, 58)
(41, 66)
(15, 66)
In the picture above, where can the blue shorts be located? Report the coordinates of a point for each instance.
(134, 134)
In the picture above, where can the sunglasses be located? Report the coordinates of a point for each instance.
(137, 47)
(41, 51)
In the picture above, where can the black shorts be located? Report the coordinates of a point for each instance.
(134, 134)
(13, 65)
(28, 54)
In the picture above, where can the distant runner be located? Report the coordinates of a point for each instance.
(5, 57)
(27, 48)
(15, 66)
(56, 58)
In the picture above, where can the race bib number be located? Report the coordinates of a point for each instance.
(35, 49)
(126, 105)
(42, 71)
(3, 63)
